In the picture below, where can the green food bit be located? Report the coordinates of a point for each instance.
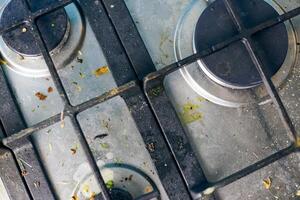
(190, 113)
(104, 145)
(156, 91)
(110, 184)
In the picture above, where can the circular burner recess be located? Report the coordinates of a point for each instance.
(53, 27)
(232, 67)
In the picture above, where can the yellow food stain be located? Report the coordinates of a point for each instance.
(100, 71)
(190, 113)
(148, 189)
(3, 62)
(298, 193)
(86, 188)
(201, 99)
(267, 183)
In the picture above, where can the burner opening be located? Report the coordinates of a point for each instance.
(54, 28)
(232, 67)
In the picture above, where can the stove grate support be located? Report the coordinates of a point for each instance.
(158, 100)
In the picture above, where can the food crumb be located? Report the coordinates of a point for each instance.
(298, 193)
(50, 89)
(75, 197)
(104, 145)
(151, 147)
(80, 60)
(100, 71)
(110, 184)
(41, 96)
(267, 183)
(74, 150)
(93, 195)
(24, 173)
(148, 189)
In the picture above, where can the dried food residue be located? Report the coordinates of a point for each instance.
(50, 89)
(148, 189)
(100, 71)
(298, 142)
(75, 197)
(41, 96)
(104, 145)
(24, 173)
(110, 184)
(267, 183)
(93, 196)
(101, 136)
(298, 193)
(151, 147)
(81, 75)
(74, 150)
(156, 91)
(190, 113)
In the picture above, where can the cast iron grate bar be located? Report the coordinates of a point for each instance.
(153, 83)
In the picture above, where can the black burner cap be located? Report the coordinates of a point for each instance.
(232, 66)
(120, 194)
(53, 27)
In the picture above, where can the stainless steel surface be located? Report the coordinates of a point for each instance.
(58, 146)
(229, 129)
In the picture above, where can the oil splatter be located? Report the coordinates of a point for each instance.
(101, 71)
(190, 113)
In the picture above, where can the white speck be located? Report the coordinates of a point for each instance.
(112, 6)
(109, 156)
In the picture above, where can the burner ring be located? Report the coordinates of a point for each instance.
(54, 28)
(204, 86)
(232, 66)
(64, 53)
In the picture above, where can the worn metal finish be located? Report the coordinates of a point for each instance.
(178, 148)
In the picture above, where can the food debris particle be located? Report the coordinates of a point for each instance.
(100, 71)
(104, 145)
(50, 147)
(148, 189)
(62, 119)
(41, 96)
(101, 136)
(190, 113)
(81, 75)
(80, 60)
(110, 184)
(50, 89)
(93, 195)
(74, 150)
(24, 173)
(52, 25)
(151, 147)
(86, 188)
(75, 197)
(298, 193)
(24, 30)
(267, 183)
(36, 184)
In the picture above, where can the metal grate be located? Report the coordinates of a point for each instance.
(191, 182)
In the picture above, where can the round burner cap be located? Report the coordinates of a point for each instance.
(232, 67)
(53, 27)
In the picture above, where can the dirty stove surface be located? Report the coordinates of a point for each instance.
(215, 112)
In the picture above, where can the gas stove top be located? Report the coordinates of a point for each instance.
(138, 99)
